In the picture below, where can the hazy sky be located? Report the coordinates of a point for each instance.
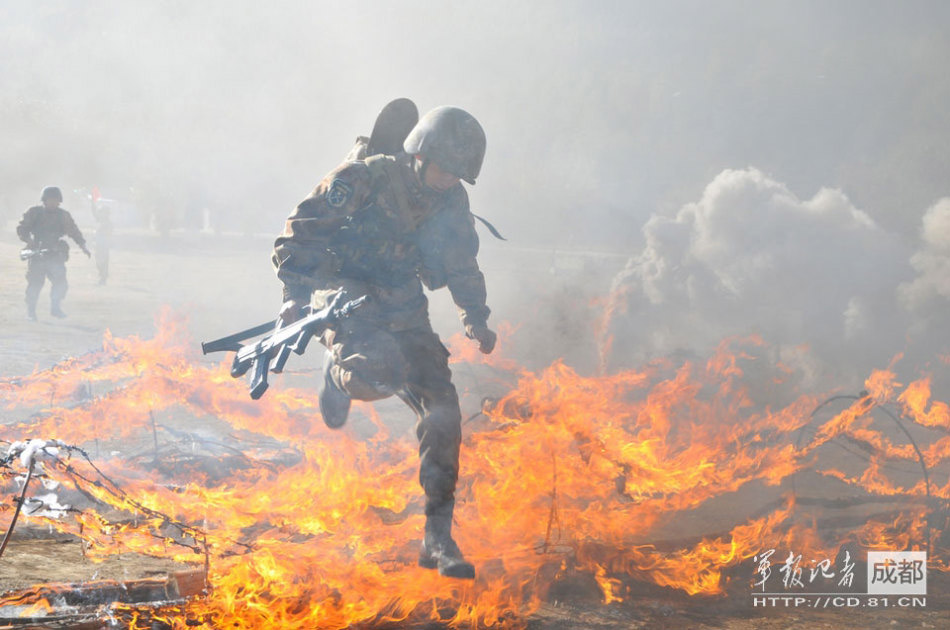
(598, 114)
(777, 167)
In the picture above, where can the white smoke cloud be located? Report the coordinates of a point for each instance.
(932, 260)
(752, 257)
(927, 296)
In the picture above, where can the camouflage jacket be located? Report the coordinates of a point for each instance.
(352, 232)
(44, 228)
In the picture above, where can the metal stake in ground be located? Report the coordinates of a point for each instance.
(19, 506)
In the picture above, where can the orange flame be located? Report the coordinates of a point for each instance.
(591, 468)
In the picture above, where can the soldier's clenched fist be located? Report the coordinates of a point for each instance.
(484, 335)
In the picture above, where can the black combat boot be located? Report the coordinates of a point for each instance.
(56, 311)
(334, 402)
(31, 311)
(439, 551)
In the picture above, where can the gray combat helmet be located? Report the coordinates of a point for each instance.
(452, 138)
(51, 192)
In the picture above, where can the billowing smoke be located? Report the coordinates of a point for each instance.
(817, 277)
(604, 124)
(927, 297)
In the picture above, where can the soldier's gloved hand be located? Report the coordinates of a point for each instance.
(85, 250)
(291, 311)
(484, 335)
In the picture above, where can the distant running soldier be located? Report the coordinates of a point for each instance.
(102, 240)
(42, 228)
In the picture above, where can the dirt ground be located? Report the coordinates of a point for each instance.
(224, 283)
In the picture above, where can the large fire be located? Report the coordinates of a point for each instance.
(563, 475)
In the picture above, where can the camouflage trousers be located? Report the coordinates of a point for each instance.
(371, 363)
(37, 271)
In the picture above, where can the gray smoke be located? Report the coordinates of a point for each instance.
(605, 122)
(817, 277)
(927, 296)
(597, 114)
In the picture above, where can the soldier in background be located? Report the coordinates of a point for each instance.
(102, 241)
(42, 228)
(383, 227)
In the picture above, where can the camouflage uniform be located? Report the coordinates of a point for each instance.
(371, 228)
(43, 228)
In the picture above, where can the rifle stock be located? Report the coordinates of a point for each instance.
(231, 342)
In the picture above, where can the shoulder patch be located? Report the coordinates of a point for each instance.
(339, 193)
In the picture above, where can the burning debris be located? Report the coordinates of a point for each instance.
(149, 602)
(670, 479)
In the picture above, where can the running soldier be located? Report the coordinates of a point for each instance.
(42, 228)
(383, 227)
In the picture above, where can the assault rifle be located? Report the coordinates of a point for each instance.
(28, 253)
(270, 352)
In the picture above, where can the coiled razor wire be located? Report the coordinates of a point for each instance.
(920, 456)
(110, 486)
